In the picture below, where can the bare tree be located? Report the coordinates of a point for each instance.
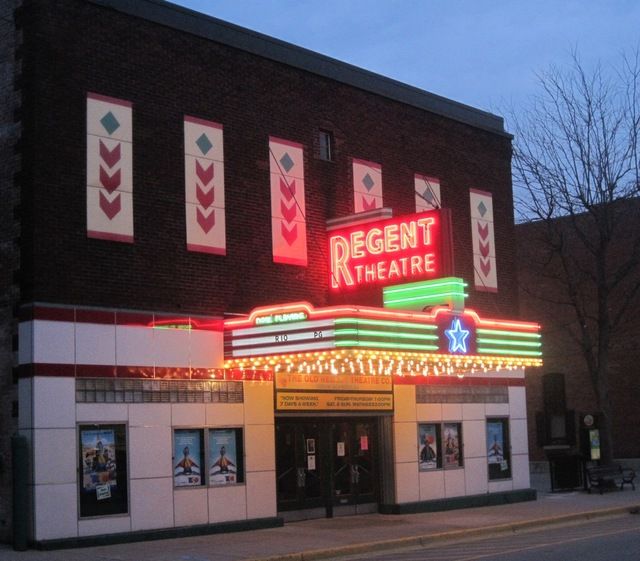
(577, 180)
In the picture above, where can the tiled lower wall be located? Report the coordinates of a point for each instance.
(472, 478)
(49, 417)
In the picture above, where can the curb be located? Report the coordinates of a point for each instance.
(429, 539)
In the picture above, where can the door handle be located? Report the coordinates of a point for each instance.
(301, 477)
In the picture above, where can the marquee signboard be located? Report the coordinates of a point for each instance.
(389, 251)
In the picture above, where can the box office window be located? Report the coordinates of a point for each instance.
(498, 448)
(103, 469)
(213, 456)
(439, 445)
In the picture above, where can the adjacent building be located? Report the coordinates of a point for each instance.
(247, 283)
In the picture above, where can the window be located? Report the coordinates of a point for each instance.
(498, 449)
(213, 456)
(439, 445)
(103, 465)
(325, 139)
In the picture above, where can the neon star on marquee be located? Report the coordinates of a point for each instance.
(457, 337)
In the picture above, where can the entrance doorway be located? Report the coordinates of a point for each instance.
(327, 467)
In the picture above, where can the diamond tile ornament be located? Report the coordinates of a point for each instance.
(482, 209)
(110, 123)
(204, 143)
(287, 162)
(368, 182)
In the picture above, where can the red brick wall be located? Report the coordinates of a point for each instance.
(166, 74)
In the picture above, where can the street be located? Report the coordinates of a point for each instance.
(615, 538)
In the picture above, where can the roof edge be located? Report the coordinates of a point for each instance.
(220, 31)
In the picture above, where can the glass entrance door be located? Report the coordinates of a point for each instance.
(298, 469)
(325, 463)
(354, 477)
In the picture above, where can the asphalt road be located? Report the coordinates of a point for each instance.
(615, 538)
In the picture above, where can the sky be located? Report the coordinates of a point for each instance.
(484, 53)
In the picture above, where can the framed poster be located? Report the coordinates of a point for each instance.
(187, 457)
(498, 454)
(225, 467)
(428, 447)
(451, 444)
(103, 469)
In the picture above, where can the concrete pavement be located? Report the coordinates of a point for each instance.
(318, 539)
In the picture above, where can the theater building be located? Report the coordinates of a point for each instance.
(249, 283)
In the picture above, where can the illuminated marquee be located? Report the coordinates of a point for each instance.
(386, 252)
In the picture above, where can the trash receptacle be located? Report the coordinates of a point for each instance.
(565, 468)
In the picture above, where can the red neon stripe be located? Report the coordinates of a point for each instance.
(54, 314)
(453, 380)
(107, 317)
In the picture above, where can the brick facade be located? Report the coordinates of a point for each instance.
(127, 51)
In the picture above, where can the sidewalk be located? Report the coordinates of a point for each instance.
(338, 536)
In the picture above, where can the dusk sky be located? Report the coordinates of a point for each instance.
(479, 52)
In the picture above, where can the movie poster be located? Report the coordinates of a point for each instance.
(98, 462)
(427, 447)
(187, 458)
(451, 445)
(495, 442)
(223, 459)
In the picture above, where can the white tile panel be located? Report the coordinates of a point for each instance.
(54, 402)
(149, 414)
(451, 411)
(259, 443)
(476, 476)
(227, 503)
(497, 409)
(261, 494)
(500, 486)
(55, 456)
(431, 485)
(25, 410)
(407, 486)
(454, 483)
(102, 412)
(519, 436)
(258, 403)
(405, 442)
(187, 414)
(404, 398)
(472, 411)
(150, 451)
(134, 346)
(474, 435)
(224, 414)
(25, 342)
(206, 349)
(429, 412)
(104, 525)
(517, 402)
(191, 506)
(151, 501)
(95, 344)
(520, 471)
(54, 342)
(56, 511)
(171, 347)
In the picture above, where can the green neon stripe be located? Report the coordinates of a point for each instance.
(425, 297)
(381, 344)
(508, 333)
(508, 342)
(384, 323)
(391, 334)
(424, 287)
(508, 352)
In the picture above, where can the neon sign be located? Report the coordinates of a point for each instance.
(281, 318)
(386, 252)
(457, 337)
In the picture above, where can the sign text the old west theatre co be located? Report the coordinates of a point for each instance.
(331, 392)
(386, 252)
